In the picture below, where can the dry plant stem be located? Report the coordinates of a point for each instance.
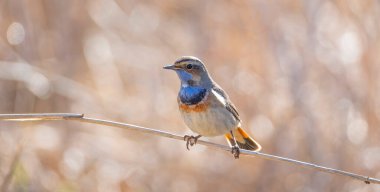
(8, 177)
(80, 117)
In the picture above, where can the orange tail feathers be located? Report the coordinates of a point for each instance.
(243, 140)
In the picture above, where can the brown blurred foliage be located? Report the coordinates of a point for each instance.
(303, 74)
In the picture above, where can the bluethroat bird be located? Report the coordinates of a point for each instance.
(206, 108)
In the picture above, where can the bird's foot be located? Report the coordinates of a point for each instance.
(191, 140)
(235, 150)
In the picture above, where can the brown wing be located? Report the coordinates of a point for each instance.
(231, 108)
(229, 105)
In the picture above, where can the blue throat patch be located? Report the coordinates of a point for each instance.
(191, 95)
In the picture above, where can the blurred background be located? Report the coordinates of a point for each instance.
(304, 76)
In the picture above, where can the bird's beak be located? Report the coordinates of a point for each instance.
(172, 67)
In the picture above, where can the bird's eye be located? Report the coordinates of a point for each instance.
(189, 66)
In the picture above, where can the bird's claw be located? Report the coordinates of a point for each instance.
(190, 140)
(235, 150)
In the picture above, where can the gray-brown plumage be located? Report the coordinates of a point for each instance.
(205, 107)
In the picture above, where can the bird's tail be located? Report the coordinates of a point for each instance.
(243, 140)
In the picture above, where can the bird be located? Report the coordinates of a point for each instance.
(206, 108)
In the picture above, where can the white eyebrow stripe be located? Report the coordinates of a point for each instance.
(219, 97)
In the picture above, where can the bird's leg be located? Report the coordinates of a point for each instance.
(235, 150)
(191, 140)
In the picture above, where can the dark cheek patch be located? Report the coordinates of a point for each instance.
(193, 70)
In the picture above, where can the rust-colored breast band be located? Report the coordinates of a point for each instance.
(193, 108)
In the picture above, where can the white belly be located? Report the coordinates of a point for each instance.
(213, 121)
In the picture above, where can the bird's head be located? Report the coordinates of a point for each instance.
(191, 71)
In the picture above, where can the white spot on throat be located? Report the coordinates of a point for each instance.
(219, 97)
(184, 85)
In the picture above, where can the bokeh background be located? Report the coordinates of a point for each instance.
(303, 74)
